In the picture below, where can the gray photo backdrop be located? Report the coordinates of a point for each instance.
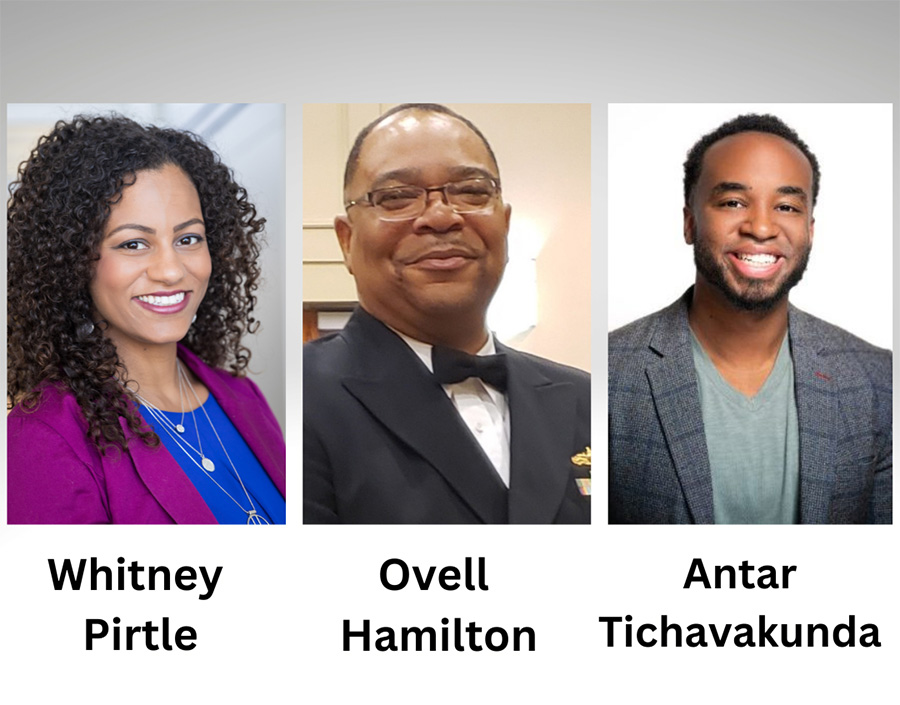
(272, 632)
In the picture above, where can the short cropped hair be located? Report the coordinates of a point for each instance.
(353, 157)
(750, 122)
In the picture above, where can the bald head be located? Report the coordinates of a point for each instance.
(393, 119)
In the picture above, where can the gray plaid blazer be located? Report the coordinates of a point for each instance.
(658, 462)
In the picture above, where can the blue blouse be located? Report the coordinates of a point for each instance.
(227, 499)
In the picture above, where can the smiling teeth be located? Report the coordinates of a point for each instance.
(163, 300)
(761, 260)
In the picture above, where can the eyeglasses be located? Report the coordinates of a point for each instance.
(408, 202)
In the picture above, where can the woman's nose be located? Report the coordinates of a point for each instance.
(166, 266)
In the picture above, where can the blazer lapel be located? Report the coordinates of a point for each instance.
(243, 411)
(164, 477)
(399, 391)
(815, 385)
(673, 384)
(167, 482)
(674, 387)
(542, 434)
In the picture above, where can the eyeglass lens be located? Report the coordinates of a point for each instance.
(401, 202)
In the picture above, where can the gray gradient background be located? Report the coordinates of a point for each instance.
(286, 594)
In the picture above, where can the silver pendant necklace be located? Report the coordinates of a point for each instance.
(175, 432)
(180, 425)
(182, 442)
(183, 381)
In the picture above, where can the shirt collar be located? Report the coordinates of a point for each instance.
(423, 350)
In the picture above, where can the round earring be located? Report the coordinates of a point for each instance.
(194, 319)
(83, 330)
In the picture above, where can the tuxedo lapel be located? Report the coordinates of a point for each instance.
(673, 384)
(816, 387)
(400, 392)
(542, 435)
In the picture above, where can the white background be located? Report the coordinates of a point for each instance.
(272, 631)
(848, 281)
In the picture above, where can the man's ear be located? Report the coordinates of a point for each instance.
(812, 229)
(507, 212)
(344, 231)
(689, 224)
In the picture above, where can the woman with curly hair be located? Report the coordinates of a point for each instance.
(132, 266)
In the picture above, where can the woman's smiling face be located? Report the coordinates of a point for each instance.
(154, 264)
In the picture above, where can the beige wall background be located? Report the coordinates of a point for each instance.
(544, 153)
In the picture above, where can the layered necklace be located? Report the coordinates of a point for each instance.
(196, 455)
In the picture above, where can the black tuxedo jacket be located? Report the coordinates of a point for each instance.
(383, 443)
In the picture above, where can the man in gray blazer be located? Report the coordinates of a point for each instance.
(731, 405)
(413, 413)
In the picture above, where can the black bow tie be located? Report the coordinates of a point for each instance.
(452, 366)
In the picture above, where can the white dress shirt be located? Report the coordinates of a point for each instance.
(483, 408)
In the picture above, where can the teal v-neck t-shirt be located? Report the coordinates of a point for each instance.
(753, 443)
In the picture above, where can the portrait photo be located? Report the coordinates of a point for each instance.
(750, 313)
(446, 302)
(145, 309)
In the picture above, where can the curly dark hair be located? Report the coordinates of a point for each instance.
(56, 214)
(750, 122)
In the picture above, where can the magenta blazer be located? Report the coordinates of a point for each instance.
(57, 476)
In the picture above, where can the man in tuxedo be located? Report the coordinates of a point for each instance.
(731, 405)
(414, 413)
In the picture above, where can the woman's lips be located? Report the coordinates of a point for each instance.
(164, 303)
(756, 265)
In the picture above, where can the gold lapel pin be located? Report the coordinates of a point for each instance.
(583, 459)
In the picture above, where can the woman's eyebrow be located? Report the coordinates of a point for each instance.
(132, 226)
(151, 231)
(187, 223)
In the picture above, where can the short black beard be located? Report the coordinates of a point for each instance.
(752, 299)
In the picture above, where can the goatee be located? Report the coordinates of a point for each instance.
(755, 294)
